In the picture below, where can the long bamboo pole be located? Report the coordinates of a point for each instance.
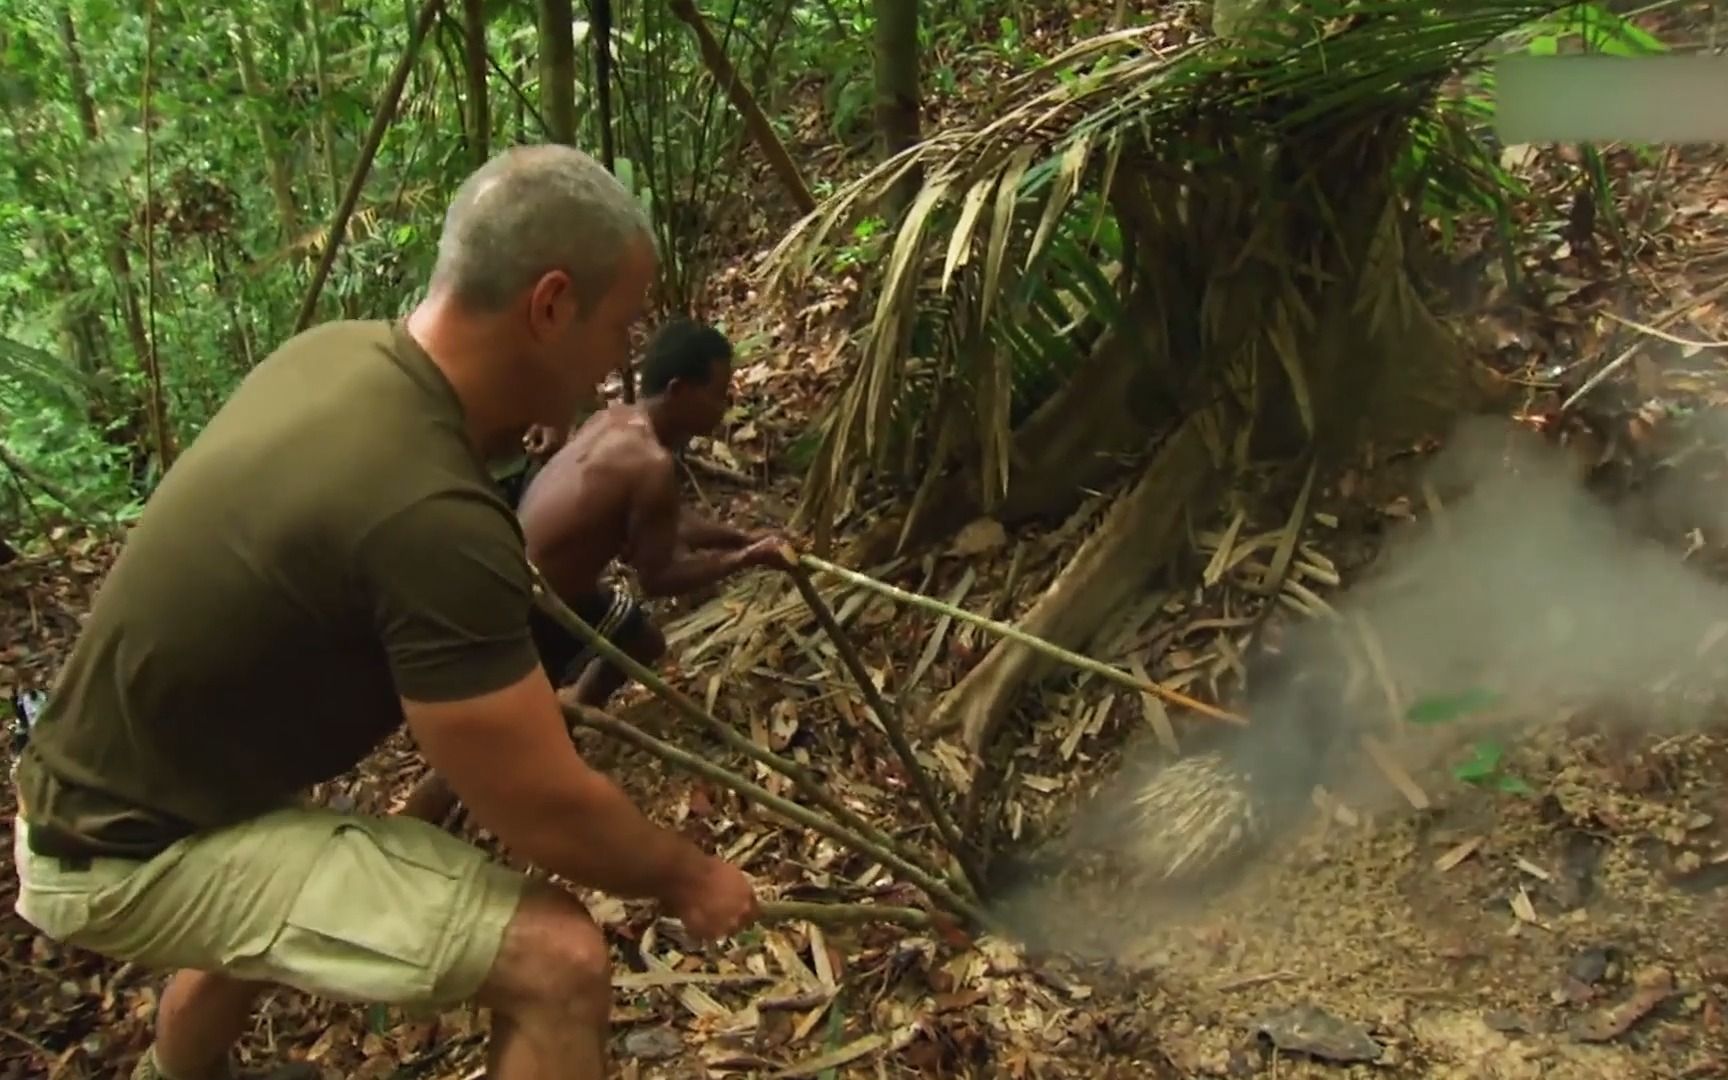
(937, 889)
(890, 721)
(1014, 633)
(902, 859)
(843, 914)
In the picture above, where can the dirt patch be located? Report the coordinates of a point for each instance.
(1491, 936)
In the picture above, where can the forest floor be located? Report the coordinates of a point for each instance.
(1569, 928)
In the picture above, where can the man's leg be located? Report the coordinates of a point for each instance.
(201, 1016)
(639, 640)
(550, 990)
(346, 907)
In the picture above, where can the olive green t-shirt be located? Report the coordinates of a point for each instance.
(329, 542)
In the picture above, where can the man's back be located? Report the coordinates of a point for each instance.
(576, 513)
(235, 654)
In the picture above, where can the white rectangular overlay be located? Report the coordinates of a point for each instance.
(1681, 98)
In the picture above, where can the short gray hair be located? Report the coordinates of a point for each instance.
(532, 210)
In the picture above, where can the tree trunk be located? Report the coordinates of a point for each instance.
(474, 56)
(275, 158)
(558, 70)
(897, 89)
(761, 131)
(1140, 533)
(600, 32)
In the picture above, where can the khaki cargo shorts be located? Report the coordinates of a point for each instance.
(352, 908)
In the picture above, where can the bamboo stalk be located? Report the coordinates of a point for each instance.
(889, 718)
(937, 889)
(555, 608)
(761, 130)
(381, 118)
(843, 914)
(1002, 629)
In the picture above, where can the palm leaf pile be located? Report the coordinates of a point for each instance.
(1241, 209)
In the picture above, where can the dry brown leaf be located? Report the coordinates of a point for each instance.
(1458, 854)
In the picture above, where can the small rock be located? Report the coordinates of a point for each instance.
(653, 1044)
(1306, 1029)
(1590, 966)
(984, 534)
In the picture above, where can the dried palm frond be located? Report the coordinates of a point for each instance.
(1260, 172)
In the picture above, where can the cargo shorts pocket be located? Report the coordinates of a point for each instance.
(59, 909)
(372, 921)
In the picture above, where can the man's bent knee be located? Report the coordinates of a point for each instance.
(553, 959)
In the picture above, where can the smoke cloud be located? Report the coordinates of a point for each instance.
(1525, 594)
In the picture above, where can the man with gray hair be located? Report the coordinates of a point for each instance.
(327, 561)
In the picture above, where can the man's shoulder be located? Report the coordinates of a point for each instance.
(618, 444)
(336, 342)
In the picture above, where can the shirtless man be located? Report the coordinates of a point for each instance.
(612, 493)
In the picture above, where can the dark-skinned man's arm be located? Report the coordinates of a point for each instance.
(665, 567)
(449, 593)
(696, 531)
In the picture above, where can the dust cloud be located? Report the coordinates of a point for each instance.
(1523, 591)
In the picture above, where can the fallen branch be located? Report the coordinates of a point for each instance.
(1073, 659)
(844, 914)
(717, 471)
(1656, 328)
(889, 720)
(937, 889)
(556, 609)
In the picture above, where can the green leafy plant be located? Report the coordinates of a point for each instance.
(1446, 708)
(1485, 768)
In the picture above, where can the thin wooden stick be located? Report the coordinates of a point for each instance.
(937, 889)
(381, 118)
(843, 914)
(1002, 629)
(555, 608)
(890, 721)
